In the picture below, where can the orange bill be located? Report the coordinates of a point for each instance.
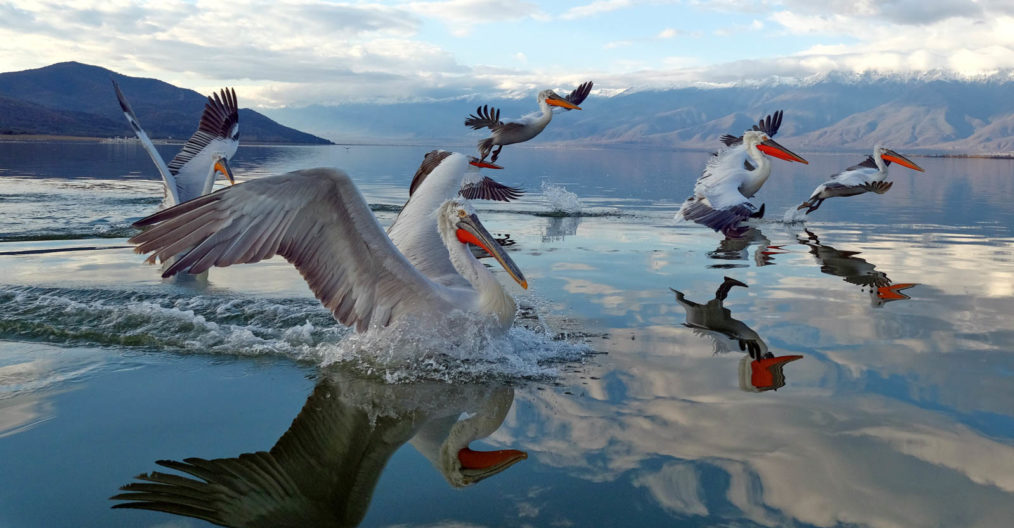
(894, 157)
(772, 148)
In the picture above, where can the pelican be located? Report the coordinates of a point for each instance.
(760, 370)
(192, 172)
(868, 176)
(442, 176)
(526, 127)
(317, 220)
(855, 270)
(323, 470)
(721, 195)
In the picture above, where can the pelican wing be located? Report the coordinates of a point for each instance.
(431, 161)
(867, 163)
(168, 176)
(321, 472)
(579, 94)
(317, 220)
(489, 189)
(219, 116)
(724, 219)
(485, 116)
(768, 124)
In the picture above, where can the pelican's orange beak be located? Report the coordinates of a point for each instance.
(892, 293)
(556, 100)
(483, 164)
(485, 460)
(772, 148)
(222, 166)
(894, 157)
(471, 231)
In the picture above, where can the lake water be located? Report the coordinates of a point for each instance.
(883, 394)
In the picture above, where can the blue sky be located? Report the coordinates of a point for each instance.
(299, 52)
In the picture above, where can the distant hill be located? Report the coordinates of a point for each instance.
(74, 99)
(836, 113)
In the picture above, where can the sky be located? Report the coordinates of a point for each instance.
(299, 52)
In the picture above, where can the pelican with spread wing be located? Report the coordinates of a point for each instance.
(526, 127)
(317, 220)
(868, 176)
(192, 172)
(732, 176)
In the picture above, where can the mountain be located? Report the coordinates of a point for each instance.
(835, 113)
(75, 99)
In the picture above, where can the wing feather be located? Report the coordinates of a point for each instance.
(485, 116)
(317, 220)
(579, 94)
(489, 189)
(219, 116)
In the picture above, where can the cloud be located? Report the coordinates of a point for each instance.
(595, 8)
(461, 16)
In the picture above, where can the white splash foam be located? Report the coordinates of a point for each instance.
(559, 199)
(794, 216)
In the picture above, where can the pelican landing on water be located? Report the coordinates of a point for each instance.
(868, 176)
(192, 172)
(526, 127)
(317, 220)
(732, 176)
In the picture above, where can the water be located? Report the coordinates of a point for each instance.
(632, 410)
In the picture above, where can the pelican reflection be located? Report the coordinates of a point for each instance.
(323, 470)
(760, 370)
(854, 270)
(738, 248)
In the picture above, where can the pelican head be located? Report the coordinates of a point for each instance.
(458, 218)
(550, 97)
(760, 140)
(890, 155)
(221, 164)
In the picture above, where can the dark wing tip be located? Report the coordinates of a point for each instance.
(730, 140)
(770, 124)
(580, 93)
(490, 189)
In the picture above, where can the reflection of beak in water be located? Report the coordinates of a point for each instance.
(738, 248)
(759, 375)
(760, 370)
(854, 270)
(560, 227)
(323, 470)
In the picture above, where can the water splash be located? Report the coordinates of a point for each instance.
(298, 329)
(560, 200)
(794, 216)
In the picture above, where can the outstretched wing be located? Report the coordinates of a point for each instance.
(769, 125)
(723, 219)
(485, 116)
(168, 176)
(489, 189)
(220, 115)
(317, 220)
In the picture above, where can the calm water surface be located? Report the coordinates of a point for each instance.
(856, 370)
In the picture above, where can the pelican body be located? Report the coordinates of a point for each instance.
(868, 176)
(192, 172)
(526, 127)
(317, 220)
(731, 177)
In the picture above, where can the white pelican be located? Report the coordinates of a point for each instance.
(191, 173)
(442, 176)
(323, 470)
(721, 195)
(317, 220)
(526, 127)
(867, 176)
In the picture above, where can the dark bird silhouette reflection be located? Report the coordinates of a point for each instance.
(854, 270)
(737, 247)
(323, 470)
(759, 370)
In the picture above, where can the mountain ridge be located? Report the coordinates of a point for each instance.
(75, 99)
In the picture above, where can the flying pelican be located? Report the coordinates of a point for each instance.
(317, 220)
(526, 127)
(442, 176)
(191, 173)
(867, 176)
(732, 176)
(324, 469)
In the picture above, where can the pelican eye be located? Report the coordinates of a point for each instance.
(462, 213)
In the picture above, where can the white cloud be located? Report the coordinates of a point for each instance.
(595, 8)
(461, 16)
(667, 33)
